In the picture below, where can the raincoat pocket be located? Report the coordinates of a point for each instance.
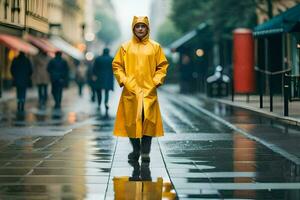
(129, 105)
(150, 105)
(130, 84)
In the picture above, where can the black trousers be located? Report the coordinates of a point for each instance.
(141, 145)
(99, 96)
(43, 93)
(57, 92)
(144, 144)
(21, 93)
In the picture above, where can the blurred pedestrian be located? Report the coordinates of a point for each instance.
(40, 77)
(186, 70)
(80, 77)
(90, 81)
(140, 66)
(104, 78)
(59, 70)
(21, 70)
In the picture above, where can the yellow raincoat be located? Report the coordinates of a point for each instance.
(140, 66)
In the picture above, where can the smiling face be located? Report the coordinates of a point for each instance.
(140, 30)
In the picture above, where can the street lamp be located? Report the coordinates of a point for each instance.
(89, 56)
(199, 52)
(89, 37)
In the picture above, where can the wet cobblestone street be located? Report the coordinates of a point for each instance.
(209, 151)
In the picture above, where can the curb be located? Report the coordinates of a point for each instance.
(283, 119)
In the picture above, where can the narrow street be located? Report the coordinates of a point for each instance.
(209, 151)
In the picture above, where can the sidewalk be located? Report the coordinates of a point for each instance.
(278, 107)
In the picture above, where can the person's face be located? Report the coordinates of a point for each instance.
(140, 30)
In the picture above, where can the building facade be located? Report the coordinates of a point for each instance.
(277, 6)
(17, 18)
(36, 18)
(12, 16)
(277, 43)
(66, 19)
(40, 18)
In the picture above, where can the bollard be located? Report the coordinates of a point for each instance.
(232, 91)
(271, 92)
(286, 90)
(286, 100)
(260, 91)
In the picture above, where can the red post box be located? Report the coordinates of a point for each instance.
(243, 61)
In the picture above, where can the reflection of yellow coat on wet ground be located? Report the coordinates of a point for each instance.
(140, 66)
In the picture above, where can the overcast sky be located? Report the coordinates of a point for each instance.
(126, 9)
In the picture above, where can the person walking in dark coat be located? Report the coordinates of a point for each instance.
(58, 70)
(21, 70)
(90, 81)
(103, 76)
(40, 77)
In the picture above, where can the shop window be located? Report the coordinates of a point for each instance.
(16, 8)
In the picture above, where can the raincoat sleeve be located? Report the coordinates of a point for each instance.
(161, 68)
(118, 67)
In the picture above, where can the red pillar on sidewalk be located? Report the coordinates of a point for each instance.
(243, 61)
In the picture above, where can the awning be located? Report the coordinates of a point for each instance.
(18, 44)
(42, 44)
(187, 37)
(287, 21)
(66, 48)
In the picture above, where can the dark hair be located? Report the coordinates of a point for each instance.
(21, 53)
(106, 51)
(58, 53)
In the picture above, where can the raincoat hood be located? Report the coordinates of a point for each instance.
(140, 19)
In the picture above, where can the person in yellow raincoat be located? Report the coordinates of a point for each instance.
(140, 66)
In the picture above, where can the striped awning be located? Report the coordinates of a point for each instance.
(17, 44)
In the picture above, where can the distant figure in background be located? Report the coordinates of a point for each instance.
(103, 76)
(80, 77)
(90, 81)
(40, 77)
(21, 70)
(186, 73)
(59, 71)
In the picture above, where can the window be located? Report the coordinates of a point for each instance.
(6, 5)
(15, 8)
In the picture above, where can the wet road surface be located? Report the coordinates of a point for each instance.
(209, 151)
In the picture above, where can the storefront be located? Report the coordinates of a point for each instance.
(195, 58)
(278, 46)
(9, 47)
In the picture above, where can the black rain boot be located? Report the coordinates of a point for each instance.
(136, 171)
(146, 147)
(136, 145)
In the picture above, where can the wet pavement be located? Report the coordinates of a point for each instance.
(209, 151)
